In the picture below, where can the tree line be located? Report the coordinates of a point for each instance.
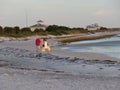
(50, 30)
(14, 31)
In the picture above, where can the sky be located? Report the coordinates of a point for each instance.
(71, 13)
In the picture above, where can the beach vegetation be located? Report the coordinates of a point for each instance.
(57, 30)
(103, 28)
(39, 32)
(17, 30)
(8, 30)
(1, 29)
(25, 31)
(50, 30)
(63, 30)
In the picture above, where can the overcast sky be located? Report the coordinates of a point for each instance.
(71, 13)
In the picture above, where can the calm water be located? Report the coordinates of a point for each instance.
(108, 46)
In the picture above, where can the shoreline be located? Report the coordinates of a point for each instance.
(83, 55)
(54, 41)
(87, 37)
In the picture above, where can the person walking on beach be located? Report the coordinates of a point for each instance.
(46, 47)
(37, 42)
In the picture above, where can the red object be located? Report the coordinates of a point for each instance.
(38, 42)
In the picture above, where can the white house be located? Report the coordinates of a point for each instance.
(39, 25)
(93, 27)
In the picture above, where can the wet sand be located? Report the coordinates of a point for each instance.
(83, 55)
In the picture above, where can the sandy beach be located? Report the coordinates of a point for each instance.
(22, 68)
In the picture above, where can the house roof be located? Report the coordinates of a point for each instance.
(93, 26)
(38, 25)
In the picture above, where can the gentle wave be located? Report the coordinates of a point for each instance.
(108, 46)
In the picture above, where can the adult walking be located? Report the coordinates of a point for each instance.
(37, 42)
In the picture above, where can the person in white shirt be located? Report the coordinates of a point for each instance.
(46, 47)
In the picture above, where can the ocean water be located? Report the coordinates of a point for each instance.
(107, 46)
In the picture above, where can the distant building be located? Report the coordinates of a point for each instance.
(39, 25)
(93, 27)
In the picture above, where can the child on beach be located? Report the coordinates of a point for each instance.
(38, 42)
(46, 47)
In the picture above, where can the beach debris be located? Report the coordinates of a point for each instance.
(38, 55)
(100, 68)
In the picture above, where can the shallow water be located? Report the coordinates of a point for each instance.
(108, 46)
